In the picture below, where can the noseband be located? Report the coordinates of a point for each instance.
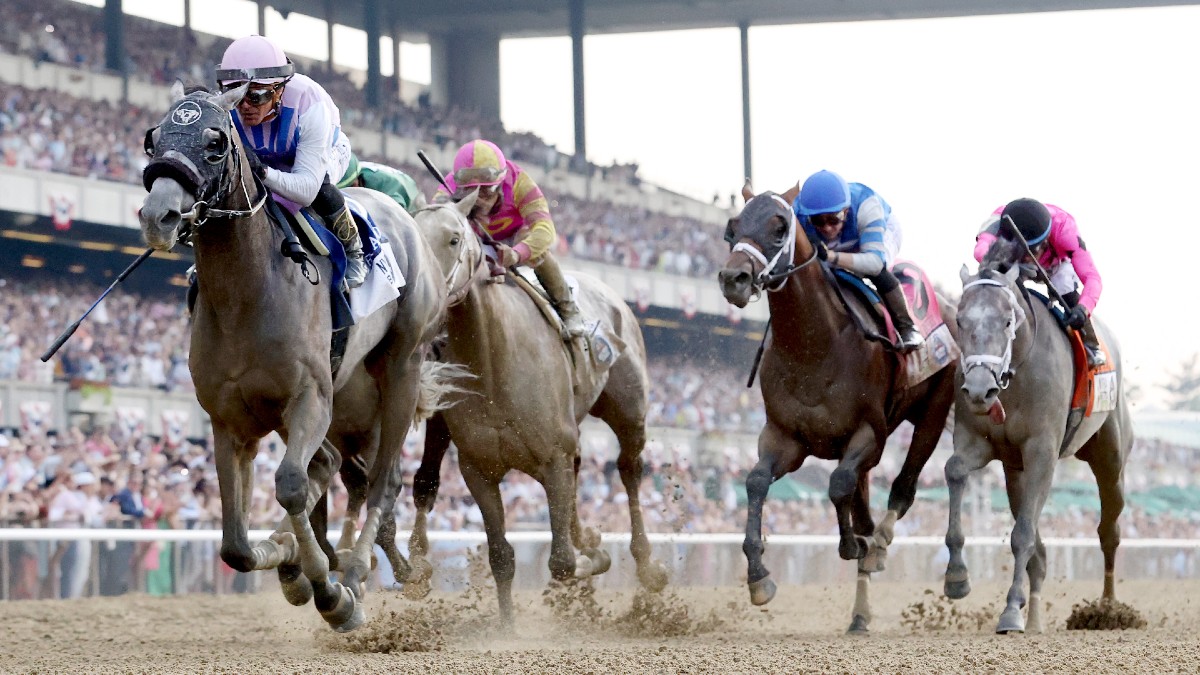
(764, 279)
(456, 295)
(1000, 367)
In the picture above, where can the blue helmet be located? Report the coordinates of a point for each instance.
(823, 192)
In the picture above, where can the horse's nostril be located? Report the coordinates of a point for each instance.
(991, 393)
(170, 218)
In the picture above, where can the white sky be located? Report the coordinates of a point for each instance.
(946, 118)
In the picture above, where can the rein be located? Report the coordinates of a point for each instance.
(1001, 367)
(764, 279)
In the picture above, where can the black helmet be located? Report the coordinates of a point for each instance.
(1030, 216)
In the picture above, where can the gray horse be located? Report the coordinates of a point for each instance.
(1015, 388)
(525, 406)
(260, 350)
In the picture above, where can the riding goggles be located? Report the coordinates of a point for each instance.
(827, 219)
(478, 176)
(255, 96)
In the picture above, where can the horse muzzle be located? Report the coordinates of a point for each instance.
(737, 285)
(161, 214)
(981, 391)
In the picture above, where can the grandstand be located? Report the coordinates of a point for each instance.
(117, 400)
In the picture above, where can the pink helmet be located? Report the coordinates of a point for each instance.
(254, 58)
(479, 163)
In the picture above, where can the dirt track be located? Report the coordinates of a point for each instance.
(698, 630)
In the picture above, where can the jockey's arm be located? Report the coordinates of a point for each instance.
(301, 184)
(871, 258)
(535, 211)
(986, 236)
(1067, 243)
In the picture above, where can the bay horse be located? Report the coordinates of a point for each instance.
(1015, 390)
(829, 392)
(523, 411)
(260, 349)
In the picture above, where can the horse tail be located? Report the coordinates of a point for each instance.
(439, 388)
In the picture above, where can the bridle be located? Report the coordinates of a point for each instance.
(1000, 367)
(465, 259)
(181, 168)
(764, 279)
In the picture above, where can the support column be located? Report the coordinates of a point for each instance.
(466, 71)
(399, 93)
(576, 10)
(329, 31)
(744, 28)
(371, 18)
(187, 15)
(114, 36)
(262, 17)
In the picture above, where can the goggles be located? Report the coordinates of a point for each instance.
(481, 176)
(827, 219)
(255, 97)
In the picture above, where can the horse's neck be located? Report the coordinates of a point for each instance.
(806, 316)
(237, 263)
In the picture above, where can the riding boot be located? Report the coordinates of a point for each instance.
(1091, 344)
(907, 336)
(550, 274)
(343, 226)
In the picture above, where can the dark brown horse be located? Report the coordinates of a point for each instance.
(1014, 403)
(829, 392)
(260, 349)
(525, 404)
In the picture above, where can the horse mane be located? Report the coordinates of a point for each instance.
(1001, 255)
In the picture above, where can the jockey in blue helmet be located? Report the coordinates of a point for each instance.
(853, 228)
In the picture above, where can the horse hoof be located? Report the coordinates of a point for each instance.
(957, 590)
(1011, 621)
(858, 626)
(297, 589)
(584, 567)
(347, 614)
(601, 561)
(762, 591)
(653, 576)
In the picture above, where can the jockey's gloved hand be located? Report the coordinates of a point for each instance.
(1076, 317)
(506, 255)
(256, 166)
(822, 252)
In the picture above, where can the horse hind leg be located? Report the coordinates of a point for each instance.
(1027, 492)
(425, 489)
(844, 485)
(295, 586)
(1037, 576)
(873, 561)
(1103, 455)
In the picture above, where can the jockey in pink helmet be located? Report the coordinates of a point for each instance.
(294, 128)
(511, 209)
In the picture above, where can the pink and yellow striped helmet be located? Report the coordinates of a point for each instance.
(479, 163)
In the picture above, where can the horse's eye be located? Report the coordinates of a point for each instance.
(454, 241)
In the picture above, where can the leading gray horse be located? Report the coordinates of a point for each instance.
(1014, 397)
(260, 348)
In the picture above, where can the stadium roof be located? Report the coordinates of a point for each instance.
(528, 18)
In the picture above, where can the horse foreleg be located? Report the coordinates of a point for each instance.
(235, 478)
(970, 454)
(425, 488)
(844, 486)
(559, 481)
(295, 586)
(501, 556)
(873, 561)
(778, 453)
(1027, 491)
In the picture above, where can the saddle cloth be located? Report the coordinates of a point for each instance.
(940, 348)
(384, 276)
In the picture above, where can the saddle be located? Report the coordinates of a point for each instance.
(593, 354)
(874, 322)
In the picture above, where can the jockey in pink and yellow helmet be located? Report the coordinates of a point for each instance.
(295, 131)
(512, 210)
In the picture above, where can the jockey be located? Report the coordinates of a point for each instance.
(294, 128)
(512, 209)
(854, 229)
(1054, 240)
(392, 182)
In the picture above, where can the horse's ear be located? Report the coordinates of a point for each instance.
(964, 274)
(467, 203)
(791, 194)
(729, 233)
(747, 191)
(229, 99)
(176, 91)
(1012, 273)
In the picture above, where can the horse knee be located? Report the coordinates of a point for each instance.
(842, 484)
(291, 488)
(956, 470)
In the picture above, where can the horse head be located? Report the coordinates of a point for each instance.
(989, 315)
(763, 243)
(456, 248)
(193, 158)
